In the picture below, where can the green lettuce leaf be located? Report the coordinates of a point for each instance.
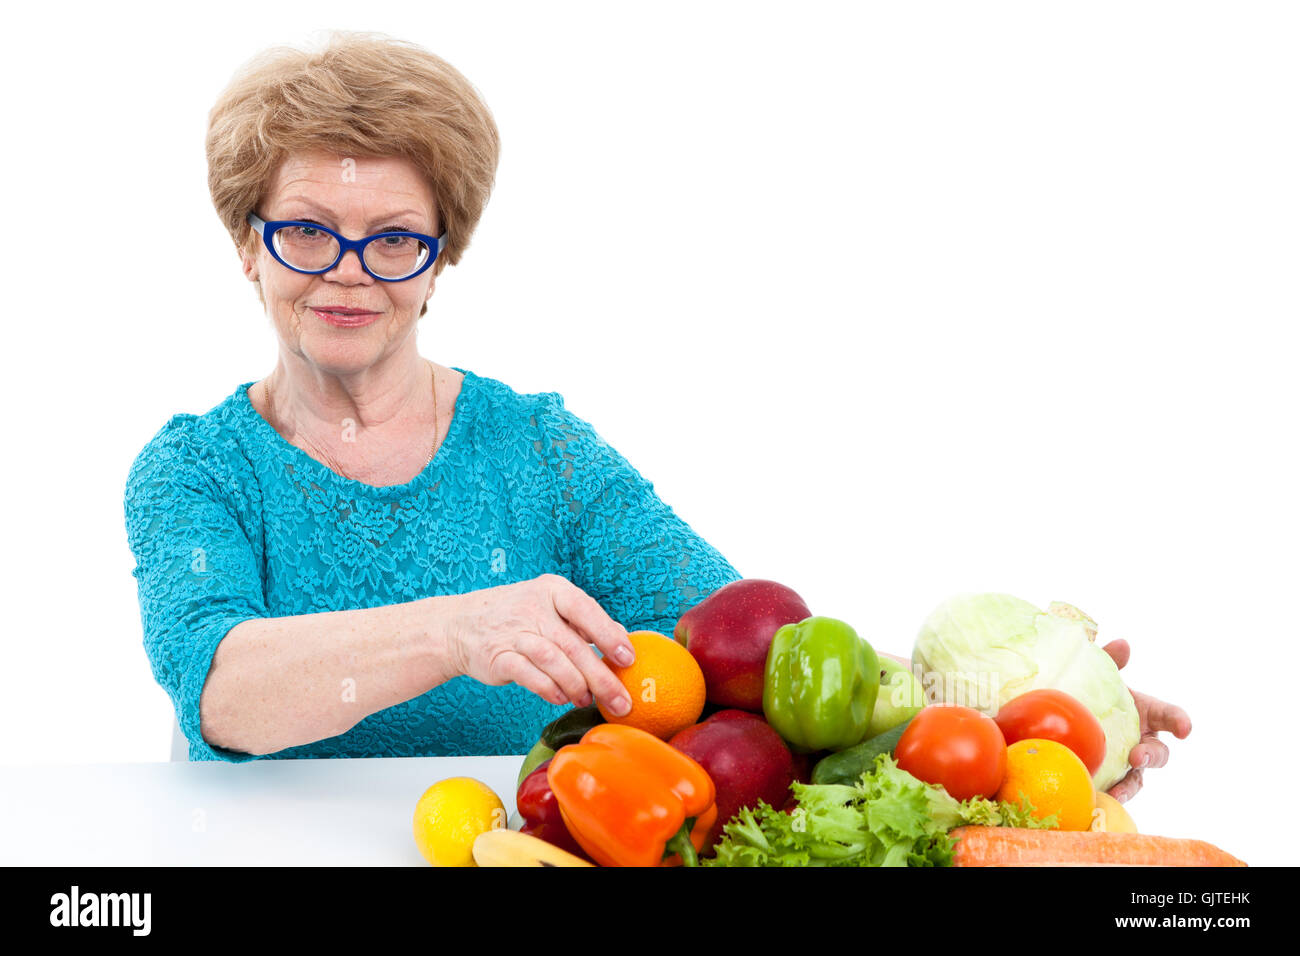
(888, 818)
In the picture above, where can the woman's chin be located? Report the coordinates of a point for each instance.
(337, 349)
(339, 355)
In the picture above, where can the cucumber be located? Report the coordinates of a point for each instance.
(846, 766)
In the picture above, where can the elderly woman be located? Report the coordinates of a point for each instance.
(367, 553)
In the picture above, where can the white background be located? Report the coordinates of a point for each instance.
(889, 301)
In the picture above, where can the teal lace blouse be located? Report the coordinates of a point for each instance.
(228, 521)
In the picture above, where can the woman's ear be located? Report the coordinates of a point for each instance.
(247, 258)
(249, 264)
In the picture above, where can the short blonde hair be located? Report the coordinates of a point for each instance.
(364, 94)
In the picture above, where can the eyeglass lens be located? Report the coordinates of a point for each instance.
(392, 257)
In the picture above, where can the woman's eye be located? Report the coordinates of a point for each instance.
(307, 228)
(305, 235)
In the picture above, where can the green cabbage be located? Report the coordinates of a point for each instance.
(982, 650)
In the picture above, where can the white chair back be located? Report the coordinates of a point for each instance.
(180, 745)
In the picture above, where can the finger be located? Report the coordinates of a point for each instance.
(555, 664)
(1119, 652)
(1168, 717)
(516, 668)
(1127, 787)
(1149, 752)
(583, 613)
(601, 682)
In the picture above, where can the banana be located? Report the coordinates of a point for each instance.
(502, 847)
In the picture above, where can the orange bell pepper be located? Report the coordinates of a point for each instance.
(627, 797)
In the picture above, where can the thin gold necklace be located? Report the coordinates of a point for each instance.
(433, 377)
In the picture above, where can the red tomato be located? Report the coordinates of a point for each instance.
(1055, 715)
(957, 747)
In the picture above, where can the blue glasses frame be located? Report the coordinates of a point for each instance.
(346, 245)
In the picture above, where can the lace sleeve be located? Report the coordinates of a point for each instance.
(629, 550)
(196, 573)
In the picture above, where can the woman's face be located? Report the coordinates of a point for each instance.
(356, 197)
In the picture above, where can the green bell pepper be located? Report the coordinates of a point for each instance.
(820, 684)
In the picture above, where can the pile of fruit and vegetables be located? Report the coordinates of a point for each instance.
(764, 735)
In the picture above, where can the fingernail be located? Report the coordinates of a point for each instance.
(624, 656)
(622, 706)
(1146, 759)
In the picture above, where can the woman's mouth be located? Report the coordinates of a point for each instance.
(344, 317)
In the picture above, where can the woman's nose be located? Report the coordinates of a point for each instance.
(349, 269)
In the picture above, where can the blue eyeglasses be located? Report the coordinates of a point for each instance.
(310, 248)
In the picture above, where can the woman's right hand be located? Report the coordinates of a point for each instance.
(538, 634)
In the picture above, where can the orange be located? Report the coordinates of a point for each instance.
(665, 683)
(1054, 779)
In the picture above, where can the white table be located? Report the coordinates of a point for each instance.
(264, 812)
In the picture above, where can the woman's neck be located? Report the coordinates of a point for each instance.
(313, 402)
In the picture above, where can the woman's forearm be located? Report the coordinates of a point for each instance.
(288, 681)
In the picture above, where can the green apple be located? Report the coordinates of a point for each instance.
(534, 759)
(901, 696)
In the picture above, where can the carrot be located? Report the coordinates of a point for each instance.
(1013, 846)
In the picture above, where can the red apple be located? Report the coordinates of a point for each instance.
(729, 632)
(803, 766)
(745, 758)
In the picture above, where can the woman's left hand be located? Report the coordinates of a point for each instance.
(1153, 717)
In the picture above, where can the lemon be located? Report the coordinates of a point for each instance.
(450, 816)
(1111, 816)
